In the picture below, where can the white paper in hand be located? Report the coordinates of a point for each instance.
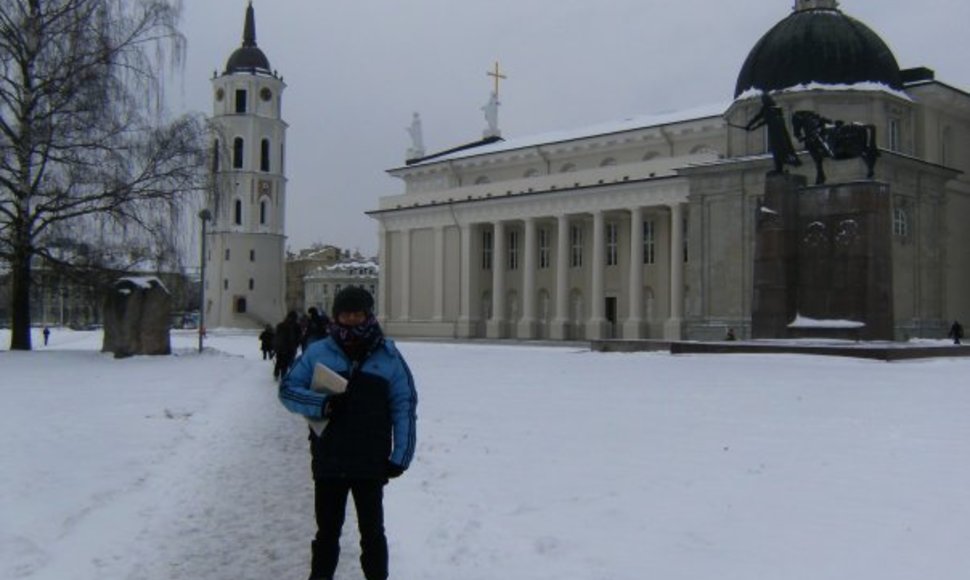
(329, 382)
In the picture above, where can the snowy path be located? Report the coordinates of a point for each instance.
(213, 486)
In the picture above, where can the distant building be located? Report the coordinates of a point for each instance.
(300, 264)
(323, 283)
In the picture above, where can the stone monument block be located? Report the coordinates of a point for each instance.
(137, 316)
(823, 256)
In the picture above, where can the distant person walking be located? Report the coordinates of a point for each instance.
(956, 332)
(287, 341)
(47, 335)
(317, 327)
(266, 339)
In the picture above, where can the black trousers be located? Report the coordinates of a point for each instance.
(330, 502)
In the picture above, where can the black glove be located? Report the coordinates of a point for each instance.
(332, 405)
(394, 470)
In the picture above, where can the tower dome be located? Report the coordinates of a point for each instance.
(817, 43)
(248, 57)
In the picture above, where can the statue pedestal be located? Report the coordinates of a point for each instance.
(823, 254)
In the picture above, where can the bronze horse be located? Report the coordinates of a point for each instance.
(836, 140)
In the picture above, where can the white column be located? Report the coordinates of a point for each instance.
(382, 277)
(439, 274)
(527, 325)
(560, 324)
(633, 327)
(466, 320)
(405, 291)
(596, 325)
(673, 328)
(496, 325)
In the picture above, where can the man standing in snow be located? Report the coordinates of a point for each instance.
(370, 431)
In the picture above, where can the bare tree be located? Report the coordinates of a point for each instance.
(83, 145)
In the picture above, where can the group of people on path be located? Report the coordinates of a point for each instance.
(370, 431)
(290, 337)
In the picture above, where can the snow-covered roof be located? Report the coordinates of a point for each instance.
(144, 282)
(608, 128)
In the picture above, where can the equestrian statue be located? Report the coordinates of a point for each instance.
(836, 140)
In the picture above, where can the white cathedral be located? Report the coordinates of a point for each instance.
(244, 281)
(645, 228)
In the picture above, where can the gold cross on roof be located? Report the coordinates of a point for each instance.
(498, 76)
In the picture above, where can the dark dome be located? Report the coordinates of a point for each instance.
(248, 57)
(820, 45)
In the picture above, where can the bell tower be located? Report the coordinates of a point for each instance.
(245, 272)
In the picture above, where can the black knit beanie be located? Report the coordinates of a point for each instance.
(353, 299)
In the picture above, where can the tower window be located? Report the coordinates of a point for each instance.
(252, 283)
(227, 254)
(252, 255)
(264, 155)
(262, 213)
(215, 156)
(238, 147)
(240, 101)
(237, 213)
(240, 304)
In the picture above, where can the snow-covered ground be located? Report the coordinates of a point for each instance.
(534, 463)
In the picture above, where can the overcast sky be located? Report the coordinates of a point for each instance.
(357, 70)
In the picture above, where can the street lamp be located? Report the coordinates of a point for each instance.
(205, 215)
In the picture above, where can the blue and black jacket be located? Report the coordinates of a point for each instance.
(373, 423)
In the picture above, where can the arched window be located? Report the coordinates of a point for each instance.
(240, 304)
(237, 212)
(238, 147)
(264, 155)
(262, 212)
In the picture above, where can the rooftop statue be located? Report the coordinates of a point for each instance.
(416, 150)
(491, 116)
